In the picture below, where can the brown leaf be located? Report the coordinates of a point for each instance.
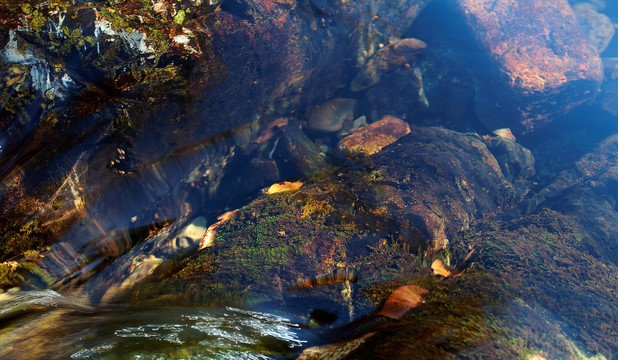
(284, 186)
(209, 236)
(402, 300)
(439, 269)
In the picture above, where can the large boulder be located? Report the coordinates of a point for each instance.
(541, 285)
(540, 61)
(327, 247)
(124, 114)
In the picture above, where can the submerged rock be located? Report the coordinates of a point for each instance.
(397, 53)
(598, 27)
(161, 100)
(323, 246)
(331, 115)
(372, 138)
(543, 283)
(541, 62)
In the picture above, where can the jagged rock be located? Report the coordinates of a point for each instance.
(540, 59)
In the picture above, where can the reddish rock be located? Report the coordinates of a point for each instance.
(372, 138)
(543, 62)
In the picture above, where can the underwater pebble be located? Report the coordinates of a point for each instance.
(331, 115)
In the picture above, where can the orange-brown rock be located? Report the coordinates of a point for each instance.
(542, 60)
(372, 138)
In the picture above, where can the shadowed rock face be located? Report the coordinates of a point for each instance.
(151, 104)
(542, 62)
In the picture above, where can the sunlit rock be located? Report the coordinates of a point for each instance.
(372, 138)
(541, 61)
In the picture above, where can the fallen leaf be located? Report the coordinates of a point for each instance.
(209, 236)
(504, 133)
(284, 186)
(402, 300)
(227, 216)
(439, 269)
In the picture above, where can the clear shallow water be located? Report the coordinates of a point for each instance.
(117, 155)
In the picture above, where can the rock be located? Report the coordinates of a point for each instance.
(516, 162)
(336, 351)
(182, 97)
(395, 54)
(547, 271)
(318, 247)
(372, 138)
(541, 61)
(331, 115)
(609, 89)
(598, 27)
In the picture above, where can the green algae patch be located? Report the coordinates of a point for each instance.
(179, 18)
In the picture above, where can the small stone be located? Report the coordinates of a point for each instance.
(330, 116)
(372, 138)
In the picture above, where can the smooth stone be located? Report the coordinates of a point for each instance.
(372, 138)
(331, 115)
(598, 27)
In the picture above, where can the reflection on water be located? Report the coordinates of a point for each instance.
(52, 325)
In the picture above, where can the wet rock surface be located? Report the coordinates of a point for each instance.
(323, 246)
(560, 67)
(538, 272)
(135, 137)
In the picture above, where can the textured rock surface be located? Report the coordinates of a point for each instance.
(542, 62)
(372, 138)
(542, 284)
(324, 245)
(162, 106)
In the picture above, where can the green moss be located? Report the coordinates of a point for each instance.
(12, 273)
(38, 20)
(26, 8)
(179, 18)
